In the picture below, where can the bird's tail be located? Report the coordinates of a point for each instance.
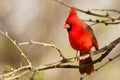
(88, 70)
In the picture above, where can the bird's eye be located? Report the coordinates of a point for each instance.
(70, 24)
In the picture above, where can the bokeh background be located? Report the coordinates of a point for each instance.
(43, 20)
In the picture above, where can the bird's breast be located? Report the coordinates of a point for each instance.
(80, 40)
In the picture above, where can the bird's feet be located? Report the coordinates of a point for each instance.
(77, 56)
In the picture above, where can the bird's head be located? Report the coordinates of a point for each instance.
(70, 20)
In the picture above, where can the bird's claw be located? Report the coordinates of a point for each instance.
(77, 58)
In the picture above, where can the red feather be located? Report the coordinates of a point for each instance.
(81, 38)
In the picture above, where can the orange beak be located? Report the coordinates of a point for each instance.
(66, 26)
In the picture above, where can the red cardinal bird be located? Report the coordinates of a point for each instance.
(81, 38)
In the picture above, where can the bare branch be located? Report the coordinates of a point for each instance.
(108, 47)
(58, 64)
(14, 71)
(110, 10)
(86, 12)
(33, 76)
(17, 76)
(112, 20)
(44, 44)
(109, 60)
(106, 22)
(15, 44)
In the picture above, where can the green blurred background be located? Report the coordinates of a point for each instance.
(43, 20)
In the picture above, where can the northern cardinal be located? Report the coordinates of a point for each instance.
(81, 38)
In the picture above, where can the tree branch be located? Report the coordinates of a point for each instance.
(106, 22)
(112, 20)
(109, 60)
(15, 44)
(61, 64)
(45, 44)
(110, 10)
(83, 11)
(26, 69)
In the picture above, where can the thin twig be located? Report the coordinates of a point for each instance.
(111, 10)
(106, 22)
(86, 12)
(16, 45)
(14, 71)
(53, 46)
(109, 60)
(18, 76)
(34, 74)
(111, 45)
(112, 20)
(44, 44)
